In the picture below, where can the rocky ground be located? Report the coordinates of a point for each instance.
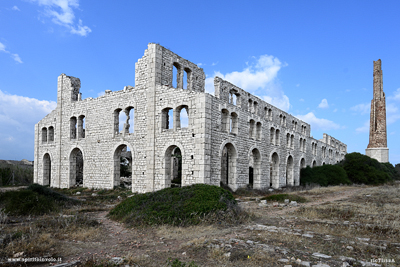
(337, 226)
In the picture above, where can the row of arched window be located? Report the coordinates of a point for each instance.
(175, 118)
(77, 127)
(47, 134)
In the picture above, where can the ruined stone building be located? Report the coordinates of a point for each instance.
(377, 147)
(231, 137)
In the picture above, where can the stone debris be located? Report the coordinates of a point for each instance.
(117, 260)
(320, 255)
(321, 265)
(307, 235)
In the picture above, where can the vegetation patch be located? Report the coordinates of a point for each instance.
(324, 175)
(35, 200)
(362, 169)
(354, 169)
(183, 206)
(282, 197)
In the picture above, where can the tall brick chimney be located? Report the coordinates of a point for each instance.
(377, 147)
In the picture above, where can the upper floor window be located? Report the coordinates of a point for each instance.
(182, 116)
(51, 134)
(167, 118)
(44, 135)
(72, 123)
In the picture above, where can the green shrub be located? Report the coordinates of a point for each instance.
(35, 200)
(175, 206)
(46, 191)
(324, 175)
(282, 197)
(362, 169)
(26, 202)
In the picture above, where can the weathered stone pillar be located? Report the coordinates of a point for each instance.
(377, 147)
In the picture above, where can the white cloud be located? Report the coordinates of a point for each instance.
(18, 116)
(323, 104)
(14, 56)
(362, 108)
(396, 95)
(335, 110)
(15, 8)
(61, 12)
(364, 128)
(259, 78)
(318, 124)
(301, 100)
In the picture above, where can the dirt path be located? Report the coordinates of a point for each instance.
(336, 196)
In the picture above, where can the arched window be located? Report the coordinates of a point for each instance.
(250, 107)
(129, 120)
(51, 134)
(166, 120)
(72, 128)
(81, 126)
(116, 121)
(288, 140)
(182, 116)
(272, 136)
(44, 135)
(258, 134)
(252, 124)
(234, 123)
(177, 75)
(255, 108)
(187, 74)
(292, 141)
(225, 121)
(277, 137)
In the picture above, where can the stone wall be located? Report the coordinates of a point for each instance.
(233, 137)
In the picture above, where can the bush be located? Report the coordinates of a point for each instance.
(26, 202)
(176, 206)
(324, 175)
(362, 169)
(35, 200)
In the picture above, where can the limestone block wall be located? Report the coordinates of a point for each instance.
(233, 137)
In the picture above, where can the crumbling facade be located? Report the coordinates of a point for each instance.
(377, 147)
(232, 137)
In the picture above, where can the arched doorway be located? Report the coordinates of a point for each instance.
(275, 170)
(76, 167)
(302, 165)
(228, 164)
(122, 165)
(314, 163)
(289, 171)
(46, 169)
(173, 167)
(254, 167)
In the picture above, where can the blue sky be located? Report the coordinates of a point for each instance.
(313, 59)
